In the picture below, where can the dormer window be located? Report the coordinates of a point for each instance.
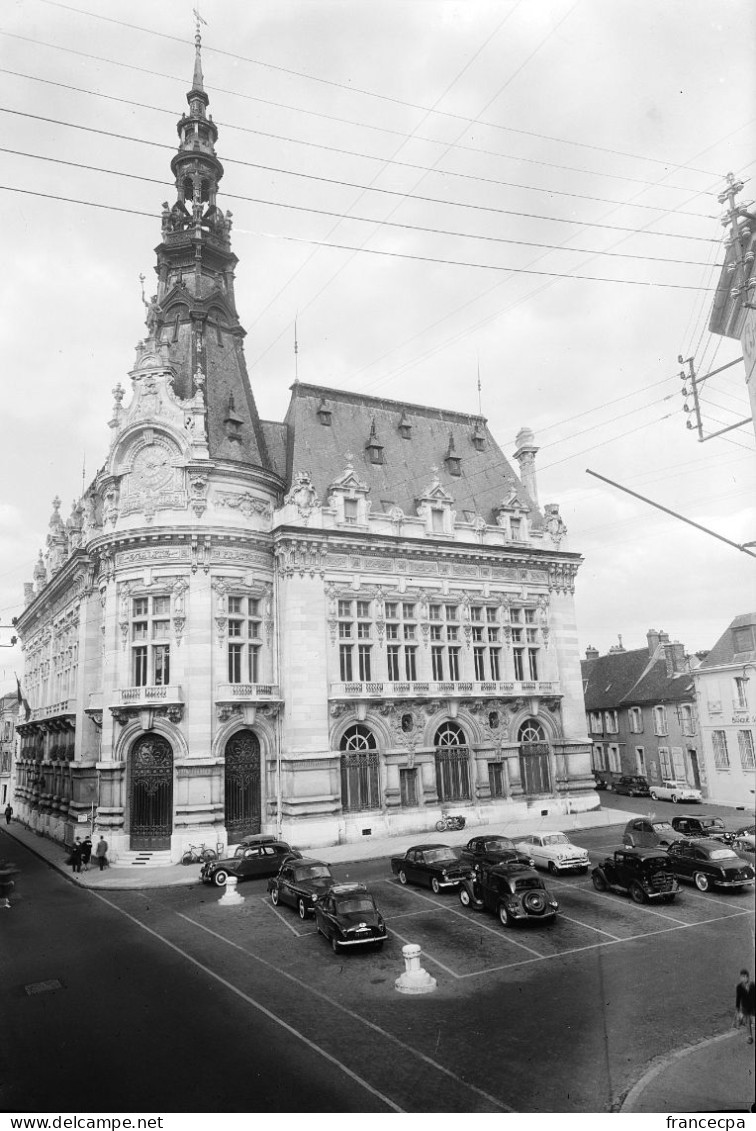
(515, 529)
(233, 421)
(452, 460)
(405, 428)
(324, 413)
(350, 510)
(437, 520)
(374, 447)
(478, 439)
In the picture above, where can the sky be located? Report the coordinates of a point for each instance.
(432, 191)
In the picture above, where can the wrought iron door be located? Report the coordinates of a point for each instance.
(151, 793)
(243, 798)
(534, 758)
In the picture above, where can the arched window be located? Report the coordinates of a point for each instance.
(534, 757)
(360, 781)
(452, 763)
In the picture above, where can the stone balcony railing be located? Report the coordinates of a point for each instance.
(165, 699)
(478, 689)
(256, 692)
(53, 710)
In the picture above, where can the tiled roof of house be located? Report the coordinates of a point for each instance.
(433, 439)
(736, 645)
(630, 678)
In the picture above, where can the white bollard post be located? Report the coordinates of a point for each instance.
(231, 897)
(414, 980)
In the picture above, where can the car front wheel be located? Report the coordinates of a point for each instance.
(302, 909)
(435, 885)
(637, 893)
(402, 877)
(464, 897)
(599, 882)
(504, 917)
(552, 867)
(219, 879)
(653, 796)
(274, 897)
(701, 881)
(674, 799)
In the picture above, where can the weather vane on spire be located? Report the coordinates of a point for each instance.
(199, 20)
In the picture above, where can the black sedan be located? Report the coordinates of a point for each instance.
(348, 916)
(709, 863)
(301, 883)
(256, 862)
(434, 865)
(493, 849)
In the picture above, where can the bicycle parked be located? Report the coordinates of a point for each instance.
(201, 855)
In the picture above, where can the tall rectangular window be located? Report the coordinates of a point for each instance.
(437, 662)
(665, 763)
(519, 663)
(533, 663)
(410, 663)
(660, 720)
(494, 660)
(363, 657)
(150, 631)
(479, 658)
(244, 639)
(345, 663)
(392, 661)
(721, 755)
(635, 718)
(745, 746)
(408, 788)
(740, 701)
(454, 663)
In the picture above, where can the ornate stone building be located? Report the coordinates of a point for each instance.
(328, 627)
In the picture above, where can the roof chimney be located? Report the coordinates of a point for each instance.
(525, 456)
(591, 653)
(674, 656)
(653, 637)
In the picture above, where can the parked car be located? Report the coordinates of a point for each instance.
(493, 849)
(555, 852)
(674, 791)
(744, 839)
(301, 883)
(707, 826)
(436, 865)
(709, 863)
(601, 779)
(347, 915)
(645, 873)
(513, 891)
(632, 786)
(648, 832)
(255, 862)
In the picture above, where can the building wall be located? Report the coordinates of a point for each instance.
(728, 731)
(677, 753)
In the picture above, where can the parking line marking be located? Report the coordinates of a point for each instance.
(588, 926)
(294, 931)
(641, 906)
(411, 914)
(255, 1004)
(349, 1012)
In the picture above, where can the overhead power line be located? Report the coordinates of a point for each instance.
(349, 184)
(352, 89)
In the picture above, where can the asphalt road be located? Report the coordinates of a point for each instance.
(169, 1001)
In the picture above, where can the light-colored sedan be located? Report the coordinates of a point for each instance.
(674, 791)
(555, 852)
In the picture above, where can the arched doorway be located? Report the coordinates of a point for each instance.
(360, 779)
(534, 758)
(151, 822)
(243, 807)
(452, 763)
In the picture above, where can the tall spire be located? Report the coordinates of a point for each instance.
(198, 82)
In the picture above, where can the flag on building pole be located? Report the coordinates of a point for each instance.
(22, 702)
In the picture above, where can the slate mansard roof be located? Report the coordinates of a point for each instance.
(737, 645)
(414, 439)
(632, 678)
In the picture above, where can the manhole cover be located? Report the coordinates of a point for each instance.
(47, 987)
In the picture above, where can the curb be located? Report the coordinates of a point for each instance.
(627, 1104)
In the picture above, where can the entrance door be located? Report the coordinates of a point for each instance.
(243, 800)
(151, 793)
(534, 758)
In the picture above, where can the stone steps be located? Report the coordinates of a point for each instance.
(143, 859)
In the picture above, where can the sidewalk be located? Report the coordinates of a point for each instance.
(134, 876)
(716, 1075)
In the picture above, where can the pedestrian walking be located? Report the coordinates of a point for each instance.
(745, 1003)
(8, 813)
(76, 856)
(7, 872)
(101, 852)
(86, 853)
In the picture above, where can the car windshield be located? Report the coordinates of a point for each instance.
(437, 855)
(556, 838)
(723, 854)
(662, 826)
(712, 822)
(357, 905)
(498, 843)
(312, 872)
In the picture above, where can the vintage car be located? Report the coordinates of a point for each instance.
(744, 839)
(632, 785)
(555, 852)
(512, 890)
(301, 883)
(645, 873)
(705, 826)
(255, 862)
(347, 915)
(709, 863)
(648, 832)
(255, 839)
(435, 865)
(674, 791)
(493, 849)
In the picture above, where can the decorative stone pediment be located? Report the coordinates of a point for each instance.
(347, 496)
(303, 495)
(434, 508)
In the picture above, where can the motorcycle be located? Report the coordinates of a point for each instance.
(449, 822)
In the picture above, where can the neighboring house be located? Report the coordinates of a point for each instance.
(332, 626)
(726, 688)
(9, 706)
(641, 712)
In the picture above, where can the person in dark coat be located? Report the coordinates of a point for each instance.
(76, 856)
(745, 1002)
(86, 852)
(101, 852)
(8, 813)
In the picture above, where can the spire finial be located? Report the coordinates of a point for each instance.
(197, 80)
